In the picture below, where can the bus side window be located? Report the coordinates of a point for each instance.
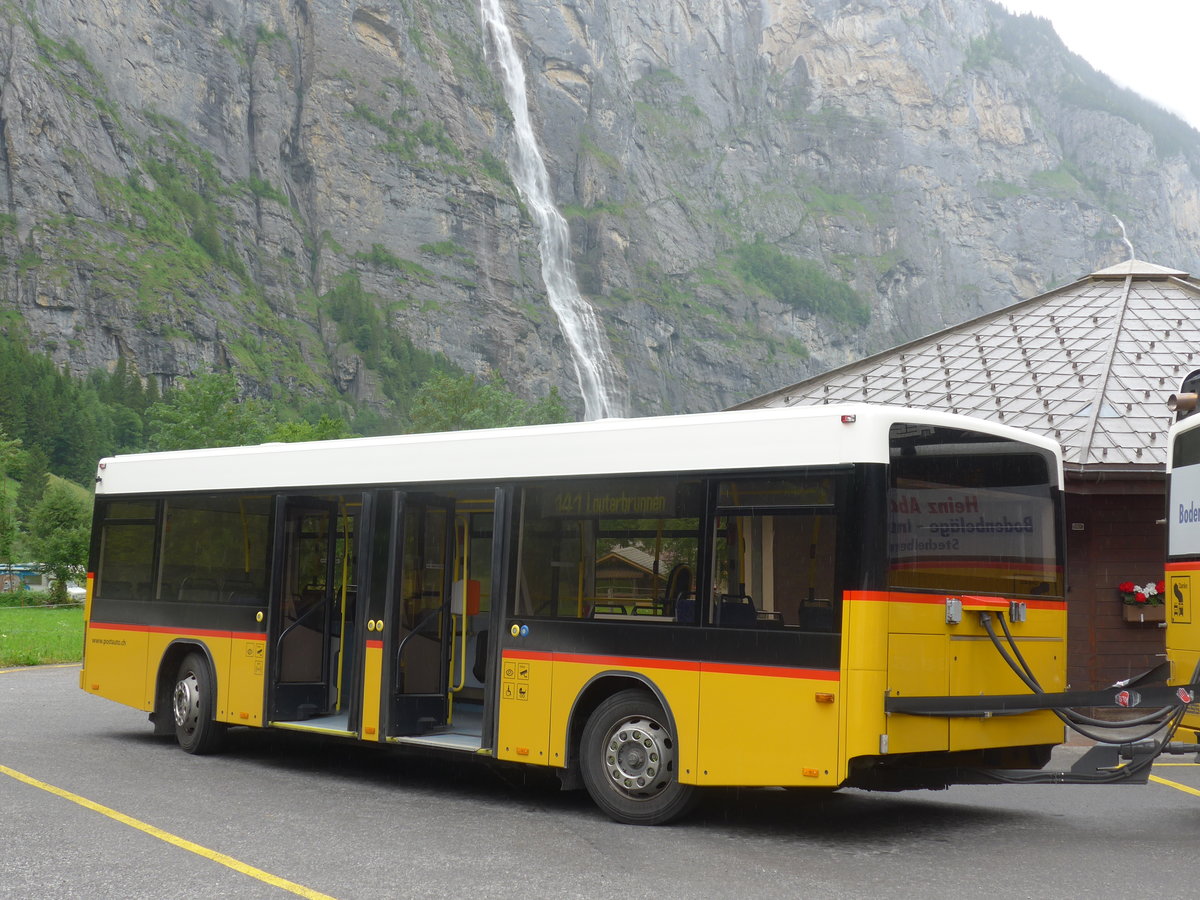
(587, 553)
(215, 549)
(774, 555)
(126, 560)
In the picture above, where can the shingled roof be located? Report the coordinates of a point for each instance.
(1090, 364)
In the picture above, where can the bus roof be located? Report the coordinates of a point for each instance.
(722, 441)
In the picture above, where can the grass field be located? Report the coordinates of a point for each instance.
(33, 635)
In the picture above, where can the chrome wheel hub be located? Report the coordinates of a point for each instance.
(639, 757)
(187, 703)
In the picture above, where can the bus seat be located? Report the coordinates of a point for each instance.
(816, 618)
(242, 592)
(679, 582)
(679, 593)
(198, 590)
(737, 613)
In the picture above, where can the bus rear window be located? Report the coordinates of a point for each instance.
(971, 513)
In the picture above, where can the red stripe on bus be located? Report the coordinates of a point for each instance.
(628, 662)
(182, 632)
(678, 665)
(770, 671)
(528, 654)
(1183, 566)
(374, 645)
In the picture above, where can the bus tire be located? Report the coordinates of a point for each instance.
(629, 761)
(194, 704)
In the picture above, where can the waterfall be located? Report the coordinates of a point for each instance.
(576, 318)
(1125, 237)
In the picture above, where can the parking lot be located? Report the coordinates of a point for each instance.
(92, 805)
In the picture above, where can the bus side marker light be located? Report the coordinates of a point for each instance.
(244, 715)
(522, 751)
(811, 773)
(824, 697)
(370, 729)
(95, 687)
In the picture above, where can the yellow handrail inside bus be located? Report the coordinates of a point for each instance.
(459, 679)
(654, 570)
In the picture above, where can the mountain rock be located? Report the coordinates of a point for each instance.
(269, 187)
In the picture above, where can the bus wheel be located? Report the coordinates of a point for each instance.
(629, 763)
(194, 704)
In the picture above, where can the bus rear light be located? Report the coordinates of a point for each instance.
(849, 419)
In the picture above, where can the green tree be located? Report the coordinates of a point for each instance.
(800, 283)
(33, 480)
(10, 449)
(326, 428)
(59, 530)
(206, 412)
(455, 403)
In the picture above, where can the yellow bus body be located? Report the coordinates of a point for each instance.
(1183, 630)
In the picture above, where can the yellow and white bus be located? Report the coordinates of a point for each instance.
(1183, 551)
(801, 597)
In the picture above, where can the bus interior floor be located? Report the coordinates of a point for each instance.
(463, 733)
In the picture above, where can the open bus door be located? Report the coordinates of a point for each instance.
(420, 636)
(312, 626)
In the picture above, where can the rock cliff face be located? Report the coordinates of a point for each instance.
(189, 184)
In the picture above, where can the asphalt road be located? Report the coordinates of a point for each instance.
(283, 814)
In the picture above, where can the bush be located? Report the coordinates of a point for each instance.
(799, 283)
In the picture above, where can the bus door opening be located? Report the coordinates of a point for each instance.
(422, 618)
(440, 621)
(314, 655)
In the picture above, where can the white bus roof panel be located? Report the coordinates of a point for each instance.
(738, 440)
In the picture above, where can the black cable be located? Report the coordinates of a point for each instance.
(1159, 716)
(1071, 718)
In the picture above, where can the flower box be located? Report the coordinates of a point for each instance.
(1142, 603)
(1144, 612)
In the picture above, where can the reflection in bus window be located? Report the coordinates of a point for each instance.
(971, 512)
(623, 548)
(214, 550)
(126, 566)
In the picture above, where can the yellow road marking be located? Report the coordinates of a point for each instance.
(236, 865)
(1176, 785)
(48, 666)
